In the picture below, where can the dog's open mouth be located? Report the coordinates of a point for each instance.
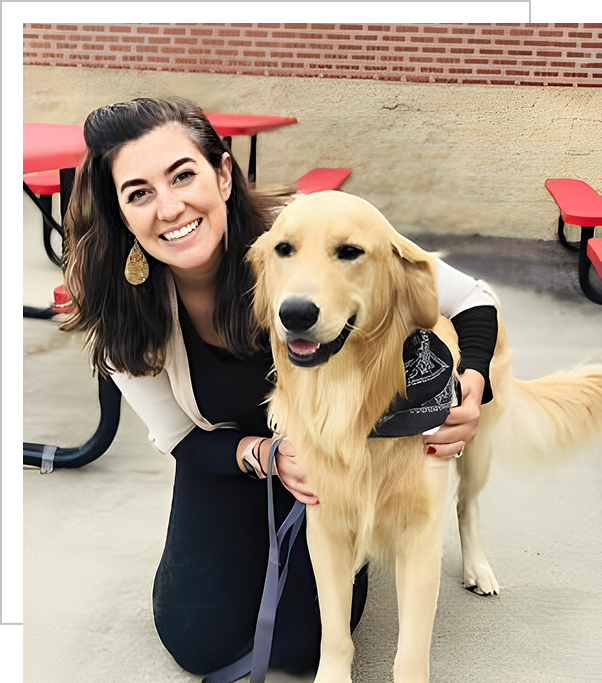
(308, 354)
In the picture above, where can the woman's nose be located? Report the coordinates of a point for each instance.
(169, 206)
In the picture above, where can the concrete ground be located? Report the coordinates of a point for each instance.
(93, 536)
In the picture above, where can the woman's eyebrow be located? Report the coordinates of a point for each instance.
(177, 163)
(168, 170)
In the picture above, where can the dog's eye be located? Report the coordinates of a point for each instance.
(284, 249)
(347, 252)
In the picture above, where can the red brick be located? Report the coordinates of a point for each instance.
(147, 49)
(119, 28)
(435, 29)
(379, 27)
(93, 46)
(256, 34)
(407, 29)
(94, 27)
(42, 26)
(464, 31)
(154, 30)
(168, 31)
(172, 50)
(120, 48)
(67, 27)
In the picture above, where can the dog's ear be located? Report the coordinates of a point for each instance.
(416, 283)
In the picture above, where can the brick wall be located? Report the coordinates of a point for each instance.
(498, 54)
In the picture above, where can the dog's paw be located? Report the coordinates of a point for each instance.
(480, 579)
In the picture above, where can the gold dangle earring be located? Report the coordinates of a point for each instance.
(136, 266)
(226, 230)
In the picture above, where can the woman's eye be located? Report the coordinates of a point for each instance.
(184, 175)
(284, 249)
(137, 195)
(347, 252)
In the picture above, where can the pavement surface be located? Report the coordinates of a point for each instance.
(93, 536)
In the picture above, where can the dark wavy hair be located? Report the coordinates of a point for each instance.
(127, 327)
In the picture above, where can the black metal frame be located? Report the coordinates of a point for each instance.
(109, 395)
(585, 265)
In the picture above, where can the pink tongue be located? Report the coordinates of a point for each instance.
(302, 347)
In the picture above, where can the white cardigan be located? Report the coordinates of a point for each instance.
(166, 403)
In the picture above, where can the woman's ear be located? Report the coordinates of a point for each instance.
(224, 176)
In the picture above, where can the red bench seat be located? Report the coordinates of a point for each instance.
(320, 179)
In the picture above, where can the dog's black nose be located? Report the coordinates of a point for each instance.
(298, 315)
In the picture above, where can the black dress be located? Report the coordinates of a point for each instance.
(210, 579)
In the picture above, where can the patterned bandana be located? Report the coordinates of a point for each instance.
(430, 388)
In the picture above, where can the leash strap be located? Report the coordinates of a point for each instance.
(257, 661)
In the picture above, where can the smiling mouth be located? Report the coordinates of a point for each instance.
(307, 354)
(182, 232)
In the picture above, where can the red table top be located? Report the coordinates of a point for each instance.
(51, 146)
(246, 124)
(579, 203)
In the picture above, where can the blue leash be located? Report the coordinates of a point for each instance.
(258, 659)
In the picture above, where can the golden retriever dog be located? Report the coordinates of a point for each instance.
(340, 291)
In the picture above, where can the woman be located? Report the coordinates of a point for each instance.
(157, 230)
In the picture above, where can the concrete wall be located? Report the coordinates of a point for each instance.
(433, 158)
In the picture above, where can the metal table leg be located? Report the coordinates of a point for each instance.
(585, 267)
(109, 397)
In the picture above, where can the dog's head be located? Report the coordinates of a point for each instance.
(333, 268)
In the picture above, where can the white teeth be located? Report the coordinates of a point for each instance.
(170, 236)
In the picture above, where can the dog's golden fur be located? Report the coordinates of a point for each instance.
(383, 498)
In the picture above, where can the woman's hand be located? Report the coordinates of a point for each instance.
(462, 422)
(289, 468)
(293, 474)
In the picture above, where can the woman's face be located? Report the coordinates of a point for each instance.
(172, 199)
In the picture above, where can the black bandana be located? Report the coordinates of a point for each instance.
(430, 388)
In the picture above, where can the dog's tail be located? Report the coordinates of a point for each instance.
(545, 418)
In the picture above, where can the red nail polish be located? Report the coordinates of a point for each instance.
(431, 450)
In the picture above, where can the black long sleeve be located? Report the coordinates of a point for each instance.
(477, 329)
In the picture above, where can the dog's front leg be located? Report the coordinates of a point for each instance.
(418, 571)
(332, 559)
